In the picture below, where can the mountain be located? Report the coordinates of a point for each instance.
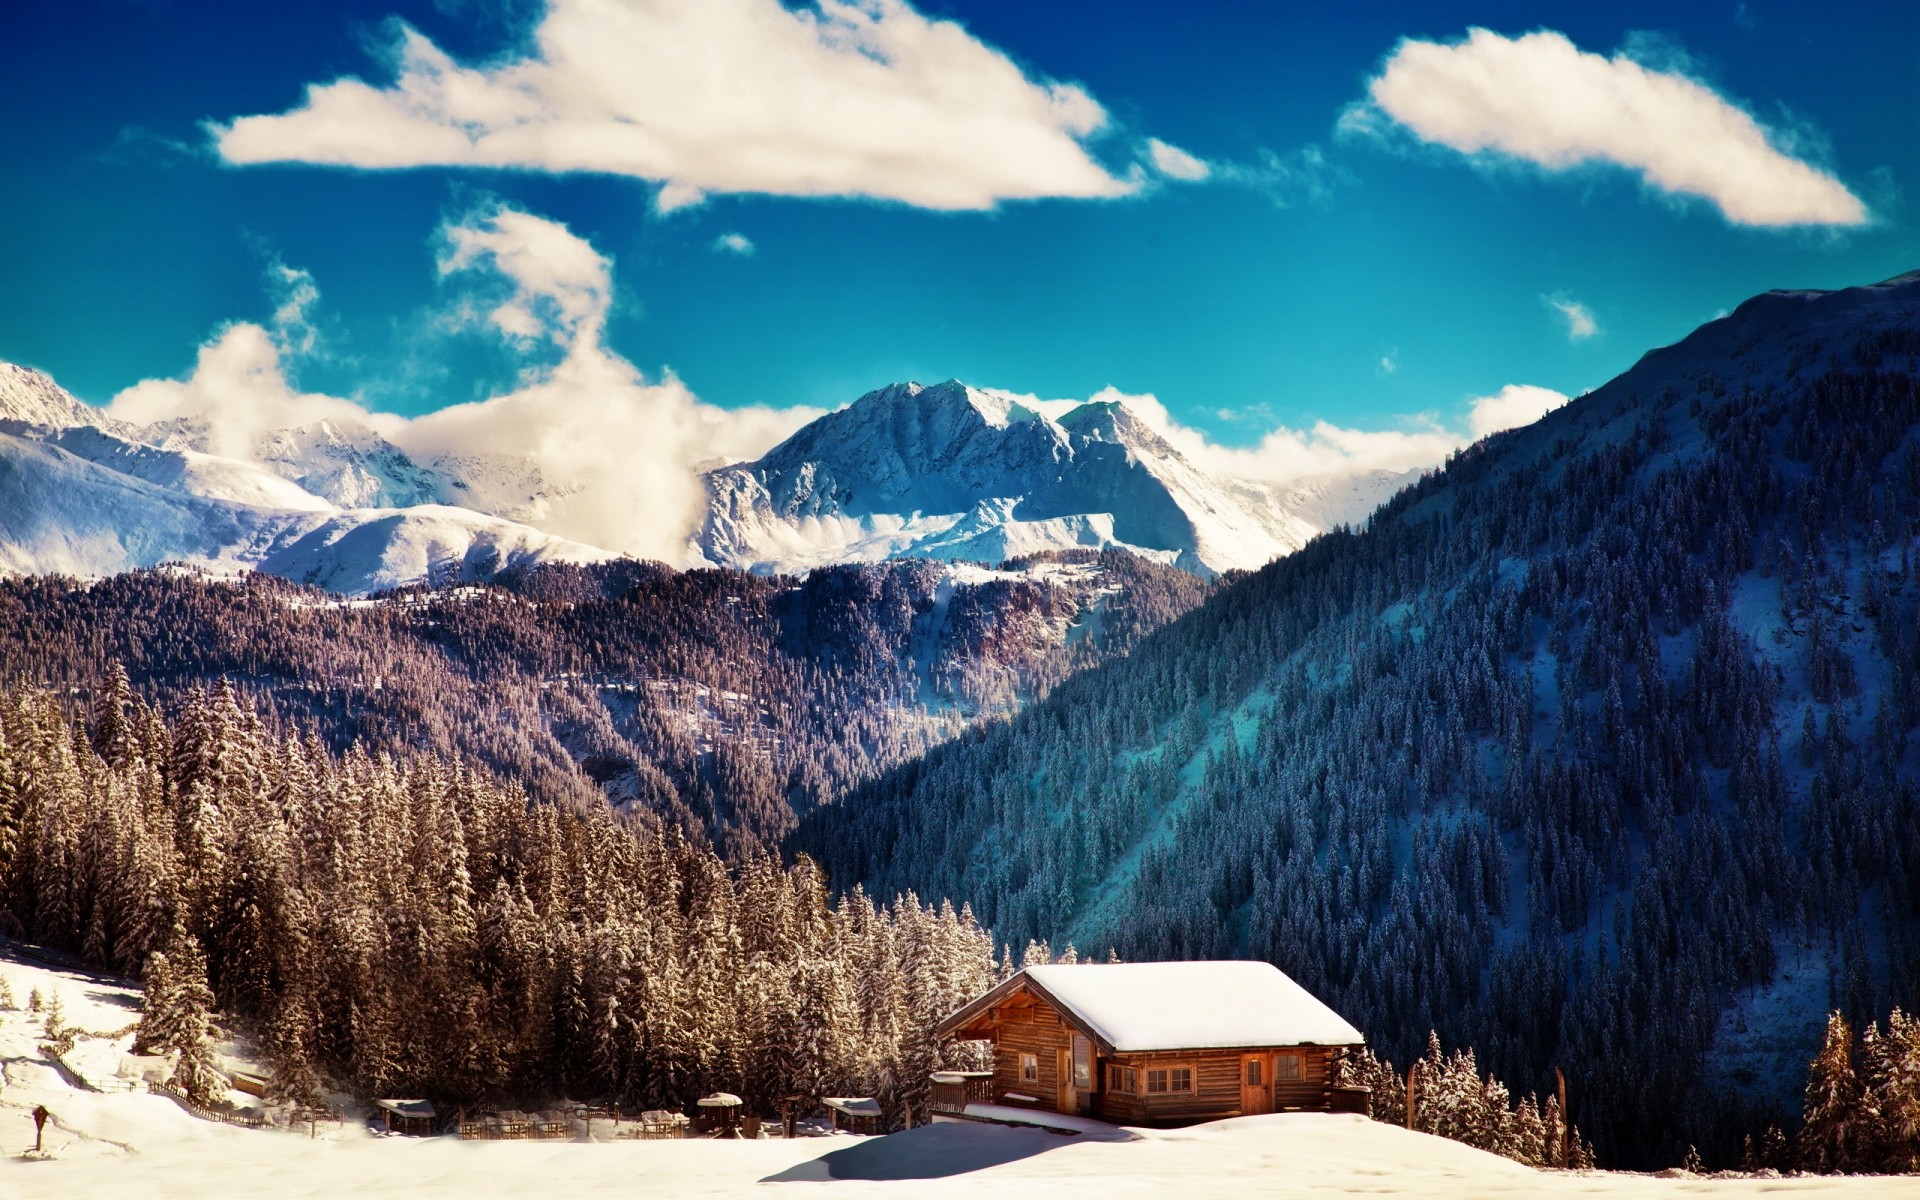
(1594, 750)
(960, 473)
(946, 472)
(84, 494)
(719, 702)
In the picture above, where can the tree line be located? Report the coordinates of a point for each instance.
(418, 927)
(719, 702)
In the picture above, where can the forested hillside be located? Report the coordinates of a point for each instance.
(419, 929)
(721, 701)
(1594, 750)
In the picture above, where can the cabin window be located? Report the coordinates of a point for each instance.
(1169, 1079)
(1122, 1079)
(1253, 1073)
(1082, 1063)
(1286, 1066)
(1029, 1068)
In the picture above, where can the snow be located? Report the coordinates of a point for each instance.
(1193, 1005)
(957, 473)
(83, 502)
(144, 1146)
(1040, 1119)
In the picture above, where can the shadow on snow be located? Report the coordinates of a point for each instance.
(930, 1152)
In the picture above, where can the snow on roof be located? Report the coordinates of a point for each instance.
(407, 1108)
(1193, 1005)
(853, 1106)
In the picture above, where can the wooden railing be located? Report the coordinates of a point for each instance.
(954, 1090)
(515, 1131)
(204, 1113)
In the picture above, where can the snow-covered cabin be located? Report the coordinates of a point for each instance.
(1160, 1043)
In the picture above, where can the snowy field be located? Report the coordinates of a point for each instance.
(132, 1144)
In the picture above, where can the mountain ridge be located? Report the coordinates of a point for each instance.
(941, 469)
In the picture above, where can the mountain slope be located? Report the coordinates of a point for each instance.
(955, 472)
(721, 702)
(84, 494)
(1594, 750)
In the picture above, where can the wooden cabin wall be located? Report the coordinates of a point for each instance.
(1216, 1086)
(1035, 1030)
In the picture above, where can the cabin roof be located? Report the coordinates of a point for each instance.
(417, 1109)
(1141, 1007)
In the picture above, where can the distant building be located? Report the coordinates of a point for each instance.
(413, 1117)
(1163, 1043)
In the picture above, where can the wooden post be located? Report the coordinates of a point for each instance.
(40, 1115)
(1410, 1071)
(1566, 1144)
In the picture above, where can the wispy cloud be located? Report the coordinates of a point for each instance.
(1323, 449)
(1580, 321)
(1542, 100)
(627, 448)
(733, 243)
(864, 98)
(1176, 163)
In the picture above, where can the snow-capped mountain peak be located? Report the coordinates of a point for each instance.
(957, 472)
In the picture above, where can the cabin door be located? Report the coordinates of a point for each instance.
(1066, 1100)
(1256, 1084)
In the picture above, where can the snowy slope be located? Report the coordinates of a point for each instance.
(33, 398)
(347, 465)
(115, 1142)
(79, 495)
(123, 1140)
(365, 550)
(956, 472)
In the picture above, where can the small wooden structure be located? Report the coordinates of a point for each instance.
(1155, 1044)
(724, 1110)
(413, 1118)
(854, 1114)
(249, 1083)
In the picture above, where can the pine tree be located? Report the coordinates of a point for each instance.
(291, 1076)
(1890, 1064)
(177, 1018)
(1829, 1129)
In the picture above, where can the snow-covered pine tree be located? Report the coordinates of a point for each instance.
(1830, 1124)
(1890, 1069)
(291, 1077)
(177, 1018)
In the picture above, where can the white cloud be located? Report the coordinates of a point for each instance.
(860, 98)
(618, 451)
(295, 295)
(239, 389)
(1175, 163)
(733, 243)
(1541, 99)
(1580, 322)
(1323, 449)
(561, 286)
(1513, 405)
(1390, 361)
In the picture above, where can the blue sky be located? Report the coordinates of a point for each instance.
(1343, 261)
